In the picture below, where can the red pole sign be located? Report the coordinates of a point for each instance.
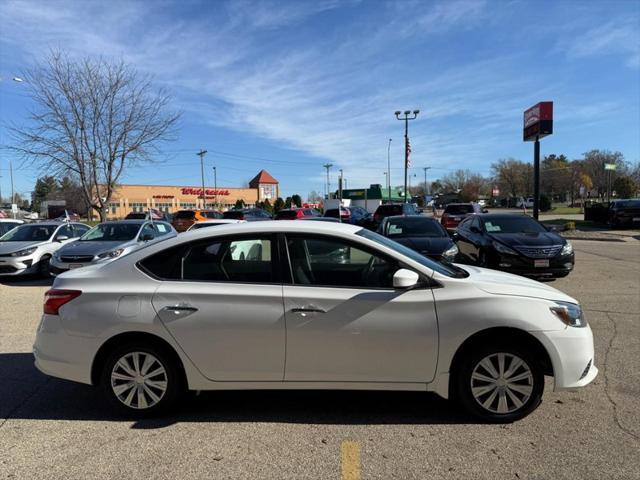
(538, 121)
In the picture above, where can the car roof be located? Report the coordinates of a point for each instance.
(220, 221)
(273, 226)
(129, 221)
(396, 217)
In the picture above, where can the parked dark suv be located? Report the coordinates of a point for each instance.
(353, 215)
(393, 210)
(247, 214)
(617, 213)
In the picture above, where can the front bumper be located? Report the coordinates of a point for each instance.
(12, 266)
(559, 266)
(572, 356)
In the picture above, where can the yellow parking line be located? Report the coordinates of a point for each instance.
(350, 460)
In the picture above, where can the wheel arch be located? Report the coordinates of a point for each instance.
(130, 337)
(497, 334)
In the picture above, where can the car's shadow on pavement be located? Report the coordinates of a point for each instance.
(26, 281)
(28, 394)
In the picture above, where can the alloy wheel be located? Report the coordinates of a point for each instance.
(502, 383)
(139, 380)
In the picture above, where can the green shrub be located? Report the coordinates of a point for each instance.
(545, 203)
(570, 226)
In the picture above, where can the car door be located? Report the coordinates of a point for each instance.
(222, 302)
(463, 240)
(346, 323)
(474, 241)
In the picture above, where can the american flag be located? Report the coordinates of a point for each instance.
(407, 147)
(155, 214)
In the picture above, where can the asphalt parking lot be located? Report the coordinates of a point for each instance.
(56, 429)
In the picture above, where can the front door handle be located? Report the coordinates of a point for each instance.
(308, 310)
(178, 309)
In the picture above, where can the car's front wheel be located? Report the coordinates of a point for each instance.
(500, 383)
(141, 380)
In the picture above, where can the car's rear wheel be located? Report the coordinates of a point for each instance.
(500, 383)
(141, 380)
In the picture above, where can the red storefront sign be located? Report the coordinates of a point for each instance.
(198, 192)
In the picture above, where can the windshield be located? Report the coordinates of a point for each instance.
(29, 233)
(414, 227)
(111, 232)
(234, 214)
(287, 214)
(7, 226)
(449, 270)
(513, 225)
(628, 204)
(185, 214)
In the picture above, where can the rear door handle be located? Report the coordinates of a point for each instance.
(308, 310)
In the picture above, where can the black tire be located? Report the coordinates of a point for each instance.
(463, 386)
(173, 376)
(44, 269)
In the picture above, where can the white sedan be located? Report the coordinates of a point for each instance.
(314, 306)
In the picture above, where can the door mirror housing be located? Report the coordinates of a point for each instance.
(61, 238)
(146, 237)
(455, 236)
(404, 278)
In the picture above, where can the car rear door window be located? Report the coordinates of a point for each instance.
(324, 261)
(161, 228)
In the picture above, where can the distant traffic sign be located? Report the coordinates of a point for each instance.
(538, 121)
(609, 166)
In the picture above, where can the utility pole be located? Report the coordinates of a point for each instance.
(389, 170)
(328, 166)
(426, 189)
(201, 154)
(406, 119)
(340, 185)
(12, 195)
(215, 187)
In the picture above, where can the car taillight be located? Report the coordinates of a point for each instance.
(54, 299)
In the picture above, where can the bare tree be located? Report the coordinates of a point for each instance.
(513, 176)
(92, 120)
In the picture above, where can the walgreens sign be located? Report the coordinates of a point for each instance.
(198, 191)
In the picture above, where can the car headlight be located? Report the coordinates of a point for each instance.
(25, 252)
(451, 252)
(112, 253)
(567, 249)
(503, 248)
(570, 313)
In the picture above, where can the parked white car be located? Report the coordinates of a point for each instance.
(315, 306)
(214, 223)
(28, 248)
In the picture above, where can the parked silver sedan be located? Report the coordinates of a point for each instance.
(107, 241)
(311, 305)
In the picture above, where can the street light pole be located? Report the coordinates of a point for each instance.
(215, 187)
(328, 166)
(389, 170)
(426, 190)
(406, 119)
(201, 154)
(340, 186)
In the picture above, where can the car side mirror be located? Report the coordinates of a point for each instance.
(61, 238)
(455, 236)
(146, 237)
(404, 278)
(551, 228)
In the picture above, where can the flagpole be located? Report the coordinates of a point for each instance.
(406, 119)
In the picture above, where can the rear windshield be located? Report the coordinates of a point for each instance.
(414, 227)
(185, 214)
(287, 214)
(211, 214)
(389, 210)
(233, 214)
(459, 209)
(111, 232)
(333, 212)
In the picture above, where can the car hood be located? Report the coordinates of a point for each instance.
(501, 283)
(426, 245)
(92, 248)
(10, 247)
(540, 239)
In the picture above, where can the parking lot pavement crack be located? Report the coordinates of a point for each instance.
(26, 400)
(607, 392)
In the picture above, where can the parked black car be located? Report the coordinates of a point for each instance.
(618, 213)
(514, 243)
(353, 215)
(248, 214)
(422, 234)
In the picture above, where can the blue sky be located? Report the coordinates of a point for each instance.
(289, 86)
